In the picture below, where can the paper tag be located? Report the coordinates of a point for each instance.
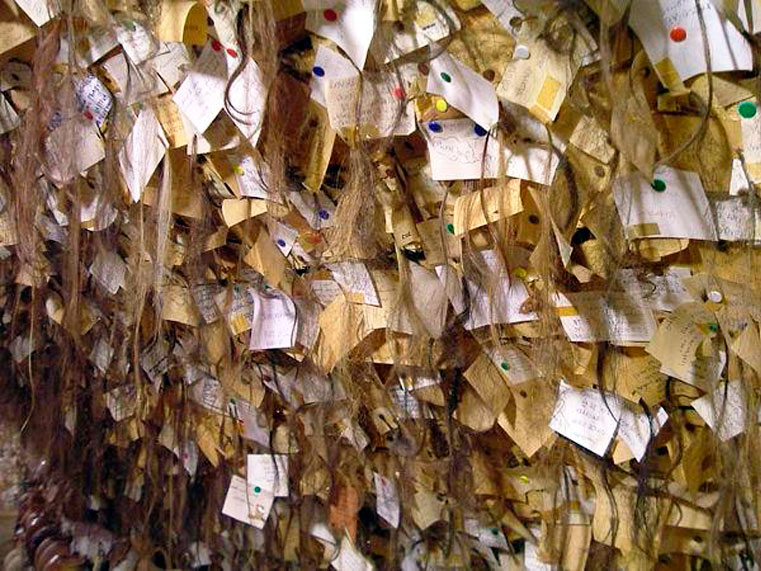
(463, 89)
(142, 152)
(247, 507)
(39, 11)
(109, 270)
(582, 415)
(671, 29)
(268, 473)
(458, 150)
(273, 324)
(387, 504)
(350, 24)
(122, 402)
(724, 410)
(672, 205)
(637, 429)
(328, 65)
(355, 280)
(598, 316)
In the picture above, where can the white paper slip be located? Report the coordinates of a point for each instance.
(387, 504)
(328, 65)
(670, 33)
(375, 105)
(490, 536)
(458, 150)
(247, 96)
(39, 11)
(268, 472)
(350, 24)
(582, 415)
(636, 430)
(672, 205)
(94, 99)
(502, 305)
(512, 363)
(661, 292)
(245, 506)
(736, 221)
(724, 410)
(201, 95)
(9, 119)
(273, 324)
(463, 89)
(355, 280)
(350, 558)
(597, 316)
(109, 270)
(142, 152)
(122, 402)
(430, 24)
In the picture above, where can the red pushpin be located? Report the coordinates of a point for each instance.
(330, 15)
(678, 34)
(216, 46)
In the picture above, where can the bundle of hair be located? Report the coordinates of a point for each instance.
(417, 284)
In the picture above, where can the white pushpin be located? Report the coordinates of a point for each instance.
(521, 52)
(715, 296)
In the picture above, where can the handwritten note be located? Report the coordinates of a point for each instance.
(459, 151)
(653, 20)
(273, 323)
(672, 205)
(142, 152)
(350, 24)
(724, 410)
(586, 417)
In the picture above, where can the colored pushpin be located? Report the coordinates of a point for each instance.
(441, 105)
(330, 15)
(480, 131)
(450, 228)
(747, 109)
(216, 46)
(678, 34)
(504, 365)
(435, 127)
(281, 242)
(318, 71)
(324, 214)
(257, 489)
(446, 77)
(659, 185)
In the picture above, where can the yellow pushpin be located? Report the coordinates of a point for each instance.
(441, 105)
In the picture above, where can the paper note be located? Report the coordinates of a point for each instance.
(273, 323)
(350, 24)
(387, 496)
(247, 96)
(245, 506)
(356, 282)
(724, 410)
(377, 107)
(458, 150)
(505, 304)
(598, 316)
(109, 270)
(39, 11)
(672, 205)
(463, 89)
(638, 429)
(122, 402)
(142, 152)
(269, 473)
(655, 22)
(328, 65)
(584, 416)
(201, 95)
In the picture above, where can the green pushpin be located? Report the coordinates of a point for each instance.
(450, 228)
(448, 78)
(257, 489)
(504, 365)
(495, 531)
(713, 327)
(659, 185)
(747, 109)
